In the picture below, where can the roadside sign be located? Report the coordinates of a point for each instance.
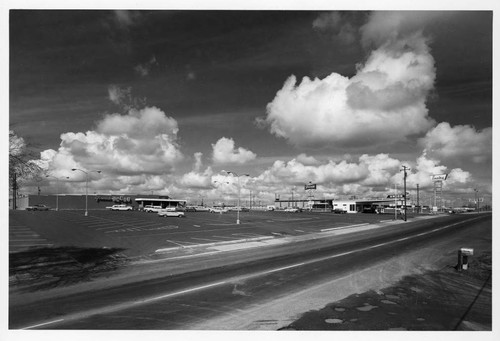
(394, 196)
(439, 177)
(310, 186)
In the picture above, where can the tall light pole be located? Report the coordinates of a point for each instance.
(239, 191)
(222, 182)
(57, 189)
(86, 185)
(405, 168)
(476, 199)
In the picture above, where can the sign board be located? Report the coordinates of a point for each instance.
(310, 186)
(434, 208)
(467, 251)
(394, 196)
(439, 177)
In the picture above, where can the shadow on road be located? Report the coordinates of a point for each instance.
(46, 268)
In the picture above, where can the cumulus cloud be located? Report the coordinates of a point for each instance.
(123, 98)
(369, 175)
(461, 142)
(145, 68)
(384, 102)
(224, 152)
(126, 18)
(333, 24)
(307, 160)
(142, 142)
(196, 178)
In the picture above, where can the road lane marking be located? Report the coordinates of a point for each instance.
(123, 306)
(43, 324)
(344, 227)
(179, 292)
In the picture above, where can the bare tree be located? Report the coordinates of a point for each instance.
(21, 166)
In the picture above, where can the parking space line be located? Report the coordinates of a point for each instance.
(179, 244)
(225, 237)
(27, 245)
(23, 233)
(210, 240)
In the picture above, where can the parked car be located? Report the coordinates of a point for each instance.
(38, 207)
(339, 211)
(217, 210)
(121, 207)
(190, 209)
(202, 209)
(170, 213)
(292, 209)
(151, 208)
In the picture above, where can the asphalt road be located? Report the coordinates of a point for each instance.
(252, 277)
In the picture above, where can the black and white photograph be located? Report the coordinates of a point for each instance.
(248, 167)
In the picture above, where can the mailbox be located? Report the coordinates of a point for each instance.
(463, 258)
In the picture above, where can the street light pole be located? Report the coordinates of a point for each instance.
(86, 185)
(476, 199)
(239, 192)
(57, 189)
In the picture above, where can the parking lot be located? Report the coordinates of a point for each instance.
(140, 233)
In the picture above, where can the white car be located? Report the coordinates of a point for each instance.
(217, 210)
(170, 213)
(202, 209)
(292, 209)
(120, 208)
(151, 208)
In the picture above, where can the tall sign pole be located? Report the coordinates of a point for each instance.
(405, 168)
(438, 188)
(418, 201)
(395, 201)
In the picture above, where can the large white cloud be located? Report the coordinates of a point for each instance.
(224, 152)
(197, 178)
(462, 142)
(142, 142)
(370, 175)
(383, 102)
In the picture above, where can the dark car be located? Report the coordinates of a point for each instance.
(37, 207)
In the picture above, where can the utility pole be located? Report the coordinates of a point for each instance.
(405, 168)
(418, 201)
(395, 201)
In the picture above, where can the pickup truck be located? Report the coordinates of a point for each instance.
(120, 208)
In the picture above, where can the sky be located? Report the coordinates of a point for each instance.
(164, 101)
